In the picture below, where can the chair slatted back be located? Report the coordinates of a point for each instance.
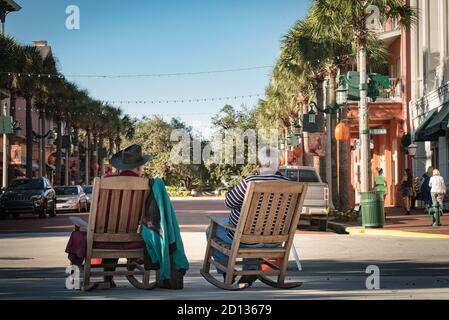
(270, 210)
(118, 204)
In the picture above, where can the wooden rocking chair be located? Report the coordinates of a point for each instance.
(115, 219)
(270, 214)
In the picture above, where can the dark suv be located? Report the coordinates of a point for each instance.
(34, 196)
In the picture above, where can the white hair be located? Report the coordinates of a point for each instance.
(269, 158)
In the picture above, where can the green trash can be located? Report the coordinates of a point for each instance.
(373, 211)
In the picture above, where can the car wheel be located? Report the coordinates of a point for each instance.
(43, 212)
(53, 211)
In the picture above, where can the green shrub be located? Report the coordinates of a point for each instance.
(178, 192)
(344, 216)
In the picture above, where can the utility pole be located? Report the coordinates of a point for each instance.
(364, 125)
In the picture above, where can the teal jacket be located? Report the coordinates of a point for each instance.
(157, 245)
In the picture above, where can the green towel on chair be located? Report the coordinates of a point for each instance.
(169, 241)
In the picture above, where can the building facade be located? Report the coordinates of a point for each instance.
(388, 117)
(17, 143)
(429, 105)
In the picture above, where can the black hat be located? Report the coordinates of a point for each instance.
(130, 158)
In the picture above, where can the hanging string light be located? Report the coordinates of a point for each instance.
(156, 75)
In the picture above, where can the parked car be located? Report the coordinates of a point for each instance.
(23, 196)
(71, 198)
(316, 204)
(88, 191)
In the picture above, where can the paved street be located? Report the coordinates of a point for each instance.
(32, 264)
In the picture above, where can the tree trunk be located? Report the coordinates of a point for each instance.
(77, 155)
(95, 154)
(12, 113)
(58, 173)
(320, 103)
(343, 167)
(29, 136)
(42, 160)
(111, 146)
(332, 102)
(68, 152)
(101, 159)
(118, 143)
(88, 155)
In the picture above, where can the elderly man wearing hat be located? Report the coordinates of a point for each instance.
(160, 229)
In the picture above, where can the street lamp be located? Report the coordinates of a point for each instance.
(342, 91)
(7, 6)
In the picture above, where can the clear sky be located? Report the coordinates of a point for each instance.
(163, 36)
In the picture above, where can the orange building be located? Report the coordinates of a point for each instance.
(389, 114)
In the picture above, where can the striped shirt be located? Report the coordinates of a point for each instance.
(235, 197)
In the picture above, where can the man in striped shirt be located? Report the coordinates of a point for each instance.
(269, 171)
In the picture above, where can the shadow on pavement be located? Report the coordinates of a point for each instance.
(323, 279)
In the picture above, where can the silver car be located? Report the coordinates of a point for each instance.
(88, 192)
(71, 198)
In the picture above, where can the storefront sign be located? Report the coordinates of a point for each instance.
(378, 132)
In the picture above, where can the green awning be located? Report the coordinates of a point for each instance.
(420, 135)
(438, 126)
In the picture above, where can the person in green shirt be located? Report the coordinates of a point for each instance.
(380, 183)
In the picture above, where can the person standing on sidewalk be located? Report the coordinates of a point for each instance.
(438, 188)
(425, 188)
(380, 183)
(407, 190)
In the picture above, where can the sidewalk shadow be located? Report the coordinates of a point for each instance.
(323, 279)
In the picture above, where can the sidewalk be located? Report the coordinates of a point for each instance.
(334, 267)
(416, 225)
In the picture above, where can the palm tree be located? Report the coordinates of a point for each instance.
(30, 63)
(78, 116)
(43, 99)
(9, 51)
(336, 19)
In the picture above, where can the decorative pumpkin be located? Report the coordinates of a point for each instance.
(96, 166)
(342, 132)
(51, 160)
(297, 152)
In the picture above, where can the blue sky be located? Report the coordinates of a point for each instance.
(164, 36)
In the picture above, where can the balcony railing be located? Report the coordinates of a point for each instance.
(394, 93)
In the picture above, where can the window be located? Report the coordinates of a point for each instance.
(308, 176)
(293, 175)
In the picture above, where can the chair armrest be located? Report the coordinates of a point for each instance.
(219, 221)
(80, 224)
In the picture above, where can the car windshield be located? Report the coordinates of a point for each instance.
(87, 189)
(27, 184)
(66, 191)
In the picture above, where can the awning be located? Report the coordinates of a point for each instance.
(438, 126)
(420, 135)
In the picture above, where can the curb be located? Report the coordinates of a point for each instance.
(393, 233)
(337, 227)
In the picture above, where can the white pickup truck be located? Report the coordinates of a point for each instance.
(316, 204)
